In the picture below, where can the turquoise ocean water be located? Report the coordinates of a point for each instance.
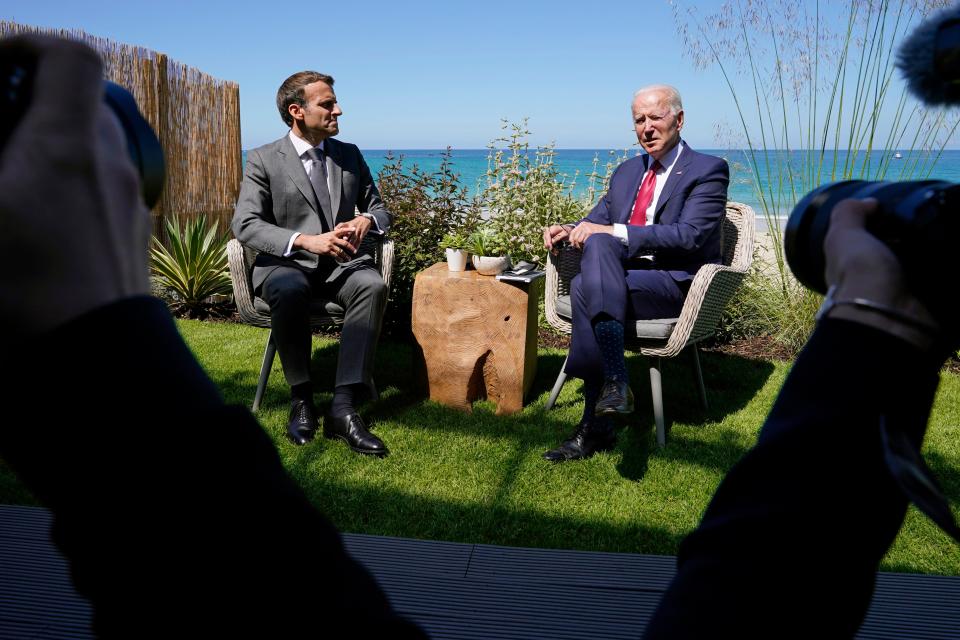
(471, 164)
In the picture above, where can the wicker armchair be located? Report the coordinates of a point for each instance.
(709, 292)
(255, 311)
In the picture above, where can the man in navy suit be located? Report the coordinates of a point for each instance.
(642, 244)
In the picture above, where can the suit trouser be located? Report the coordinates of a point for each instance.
(359, 289)
(612, 284)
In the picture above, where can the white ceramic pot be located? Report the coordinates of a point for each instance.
(491, 265)
(457, 259)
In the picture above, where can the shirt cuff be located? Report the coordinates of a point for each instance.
(620, 231)
(293, 238)
(376, 226)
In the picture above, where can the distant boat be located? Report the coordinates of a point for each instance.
(897, 156)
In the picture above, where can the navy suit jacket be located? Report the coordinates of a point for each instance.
(686, 233)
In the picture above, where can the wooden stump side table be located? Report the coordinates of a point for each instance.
(477, 337)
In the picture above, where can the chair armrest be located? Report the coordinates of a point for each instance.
(711, 289)
(386, 262)
(561, 269)
(242, 292)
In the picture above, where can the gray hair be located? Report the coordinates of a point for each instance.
(672, 95)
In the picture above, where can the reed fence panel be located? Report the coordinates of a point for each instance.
(196, 117)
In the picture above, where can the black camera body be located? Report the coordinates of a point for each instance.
(143, 147)
(918, 220)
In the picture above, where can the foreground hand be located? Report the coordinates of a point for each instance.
(586, 229)
(335, 244)
(73, 227)
(859, 265)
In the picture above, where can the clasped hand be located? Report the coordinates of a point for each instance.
(341, 243)
(576, 235)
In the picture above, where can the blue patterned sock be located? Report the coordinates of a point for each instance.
(609, 335)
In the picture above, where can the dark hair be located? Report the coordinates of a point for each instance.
(291, 91)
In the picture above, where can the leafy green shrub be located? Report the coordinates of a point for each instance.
(759, 309)
(426, 208)
(195, 267)
(524, 194)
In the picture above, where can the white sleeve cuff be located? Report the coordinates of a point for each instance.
(293, 238)
(376, 226)
(620, 231)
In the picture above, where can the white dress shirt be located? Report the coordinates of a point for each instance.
(667, 162)
(302, 148)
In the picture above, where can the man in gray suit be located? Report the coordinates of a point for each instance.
(298, 207)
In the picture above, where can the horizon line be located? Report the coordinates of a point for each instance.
(620, 149)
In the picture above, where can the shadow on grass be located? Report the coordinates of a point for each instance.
(510, 512)
(731, 382)
(241, 387)
(948, 475)
(393, 513)
(11, 489)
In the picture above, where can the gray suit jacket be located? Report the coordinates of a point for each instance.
(276, 199)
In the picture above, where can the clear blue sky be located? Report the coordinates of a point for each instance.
(425, 74)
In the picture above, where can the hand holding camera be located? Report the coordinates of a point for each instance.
(75, 228)
(866, 281)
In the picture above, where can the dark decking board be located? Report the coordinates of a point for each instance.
(464, 591)
(509, 592)
(37, 599)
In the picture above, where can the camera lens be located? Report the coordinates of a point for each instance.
(16, 88)
(908, 221)
(142, 145)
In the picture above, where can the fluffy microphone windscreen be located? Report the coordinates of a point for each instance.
(930, 59)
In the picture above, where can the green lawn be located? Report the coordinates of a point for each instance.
(480, 478)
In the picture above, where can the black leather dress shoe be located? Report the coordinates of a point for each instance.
(351, 429)
(615, 397)
(302, 426)
(585, 441)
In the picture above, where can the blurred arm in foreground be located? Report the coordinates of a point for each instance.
(792, 540)
(173, 509)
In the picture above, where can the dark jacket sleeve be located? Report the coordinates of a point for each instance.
(602, 212)
(172, 508)
(793, 537)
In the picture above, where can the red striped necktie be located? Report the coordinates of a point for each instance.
(645, 194)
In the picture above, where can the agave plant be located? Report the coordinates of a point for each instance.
(195, 266)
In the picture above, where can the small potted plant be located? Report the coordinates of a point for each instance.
(489, 252)
(455, 244)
